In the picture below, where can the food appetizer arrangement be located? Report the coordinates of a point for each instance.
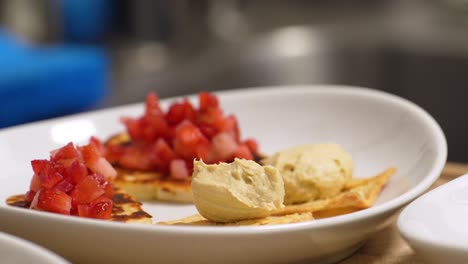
(154, 156)
(78, 181)
(197, 155)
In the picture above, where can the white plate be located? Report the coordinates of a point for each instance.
(435, 225)
(14, 250)
(378, 129)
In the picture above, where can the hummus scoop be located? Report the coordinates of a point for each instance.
(240, 190)
(312, 171)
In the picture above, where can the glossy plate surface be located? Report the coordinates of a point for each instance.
(435, 224)
(378, 129)
(19, 251)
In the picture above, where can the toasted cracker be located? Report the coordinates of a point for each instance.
(126, 208)
(118, 139)
(198, 220)
(145, 186)
(358, 195)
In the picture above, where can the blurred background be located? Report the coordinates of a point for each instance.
(60, 57)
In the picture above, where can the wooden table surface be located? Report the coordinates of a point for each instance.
(388, 246)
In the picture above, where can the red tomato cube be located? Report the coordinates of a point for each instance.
(101, 208)
(87, 190)
(207, 100)
(53, 200)
(77, 172)
(243, 152)
(67, 152)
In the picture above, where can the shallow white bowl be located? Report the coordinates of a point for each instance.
(435, 224)
(378, 129)
(14, 250)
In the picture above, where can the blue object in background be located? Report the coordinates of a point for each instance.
(10, 48)
(85, 20)
(43, 82)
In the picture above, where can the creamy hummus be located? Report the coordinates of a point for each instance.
(312, 171)
(235, 191)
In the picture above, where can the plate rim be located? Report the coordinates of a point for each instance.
(38, 250)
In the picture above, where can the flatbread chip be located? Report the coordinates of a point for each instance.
(383, 176)
(360, 194)
(147, 186)
(198, 220)
(119, 139)
(126, 208)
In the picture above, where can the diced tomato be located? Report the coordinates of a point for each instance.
(207, 100)
(224, 146)
(53, 200)
(189, 166)
(61, 168)
(180, 111)
(83, 210)
(64, 186)
(114, 153)
(202, 151)
(178, 170)
(101, 208)
(98, 144)
(230, 125)
(190, 142)
(243, 152)
(108, 189)
(29, 196)
(212, 117)
(133, 127)
(94, 161)
(252, 145)
(154, 127)
(162, 155)
(72, 180)
(87, 190)
(103, 167)
(188, 134)
(49, 178)
(189, 111)
(77, 172)
(101, 179)
(66, 153)
(136, 158)
(183, 132)
(39, 165)
(152, 105)
(35, 183)
(90, 155)
(208, 130)
(175, 114)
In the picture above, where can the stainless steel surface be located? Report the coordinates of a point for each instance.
(416, 49)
